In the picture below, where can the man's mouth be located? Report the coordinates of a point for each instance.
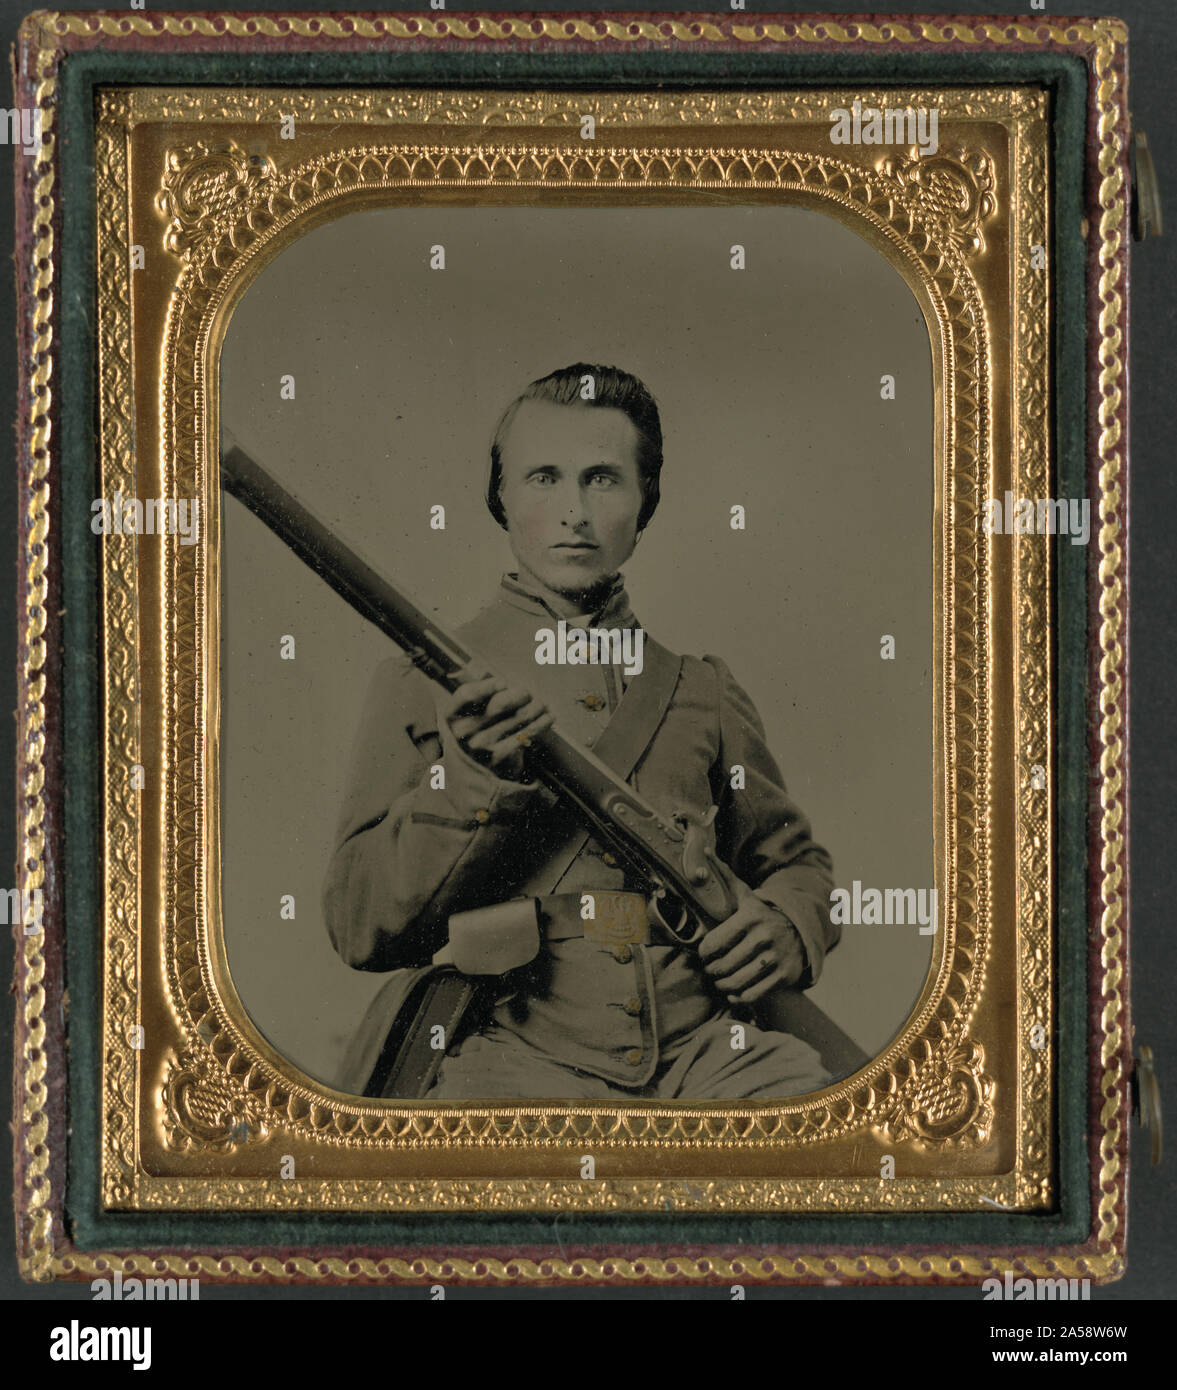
(575, 546)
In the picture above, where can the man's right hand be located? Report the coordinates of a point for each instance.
(493, 721)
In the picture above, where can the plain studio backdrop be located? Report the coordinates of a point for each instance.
(768, 382)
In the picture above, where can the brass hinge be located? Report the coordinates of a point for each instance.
(1146, 1101)
(1146, 194)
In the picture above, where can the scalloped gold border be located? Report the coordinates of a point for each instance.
(38, 1260)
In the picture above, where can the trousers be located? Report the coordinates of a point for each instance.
(712, 1062)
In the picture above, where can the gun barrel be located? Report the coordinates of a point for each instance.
(364, 588)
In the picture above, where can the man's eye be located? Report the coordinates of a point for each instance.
(603, 479)
(541, 478)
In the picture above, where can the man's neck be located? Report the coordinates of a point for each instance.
(570, 604)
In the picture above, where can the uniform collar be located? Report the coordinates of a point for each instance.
(613, 611)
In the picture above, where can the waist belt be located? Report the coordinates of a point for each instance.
(493, 940)
(612, 919)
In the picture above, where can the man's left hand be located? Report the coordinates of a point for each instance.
(756, 950)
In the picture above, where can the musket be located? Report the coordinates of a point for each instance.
(689, 890)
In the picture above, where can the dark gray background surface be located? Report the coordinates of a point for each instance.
(1152, 1234)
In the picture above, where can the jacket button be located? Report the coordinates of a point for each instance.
(634, 1057)
(482, 815)
(622, 954)
(633, 1006)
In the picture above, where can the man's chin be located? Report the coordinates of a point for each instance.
(575, 585)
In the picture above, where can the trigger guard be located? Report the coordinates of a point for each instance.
(673, 929)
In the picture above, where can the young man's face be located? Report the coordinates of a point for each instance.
(571, 492)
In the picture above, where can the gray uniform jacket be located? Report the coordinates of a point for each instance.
(409, 853)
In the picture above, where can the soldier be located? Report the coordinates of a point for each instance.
(442, 820)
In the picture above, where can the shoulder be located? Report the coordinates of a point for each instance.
(722, 672)
(702, 684)
(733, 698)
(707, 675)
(710, 668)
(496, 620)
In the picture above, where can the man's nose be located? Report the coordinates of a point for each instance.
(574, 507)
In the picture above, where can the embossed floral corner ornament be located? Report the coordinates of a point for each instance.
(205, 1110)
(946, 1103)
(204, 183)
(952, 192)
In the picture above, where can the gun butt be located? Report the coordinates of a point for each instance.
(791, 1011)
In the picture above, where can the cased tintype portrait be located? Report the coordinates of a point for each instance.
(601, 608)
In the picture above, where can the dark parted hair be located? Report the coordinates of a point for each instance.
(616, 390)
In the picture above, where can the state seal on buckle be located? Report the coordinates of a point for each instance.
(618, 919)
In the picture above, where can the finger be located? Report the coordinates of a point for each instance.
(509, 702)
(509, 747)
(719, 940)
(755, 941)
(490, 734)
(463, 726)
(470, 673)
(472, 695)
(742, 955)
(762, 987)
(750, 974)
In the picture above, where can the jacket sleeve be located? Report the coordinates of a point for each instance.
(413, 844)
(762, 834)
